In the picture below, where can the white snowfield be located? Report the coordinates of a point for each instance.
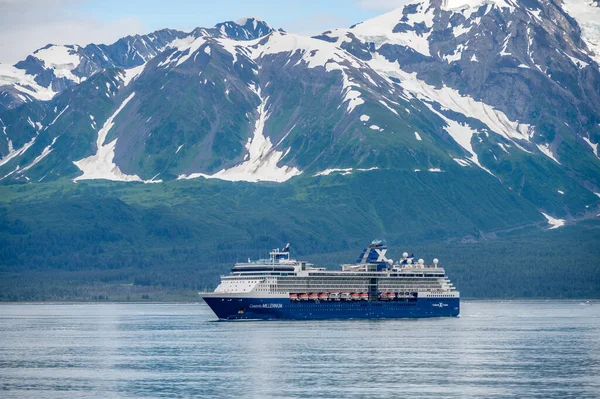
(132, 74)
(101, 165)
(24, 83)
(62, 60)
(467, 7)
(343, 171)
(379, 30)
(588, 18)
(554, 222)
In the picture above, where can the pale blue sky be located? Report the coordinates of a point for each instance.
(26, 25)
(187, 13)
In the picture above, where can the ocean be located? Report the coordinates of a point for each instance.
(517, 349)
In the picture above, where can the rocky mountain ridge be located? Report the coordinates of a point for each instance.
(508, 89)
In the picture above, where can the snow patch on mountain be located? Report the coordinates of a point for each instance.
(62, 60)
(262, 161)
(594, 146)
(380, 30)
(545, 149)
(131, 74)
(315, 53)
(463, 134)
(343, 171)
(17, 153)
(451, 99)
(554, 222)
(45, 152)
(578, 63)
(232, 47)
(58, 116)
(184, 49)
(8, 140)
(101, 165)
(461, 162)
(24, 83)
(587, 16)
(327, 172)
(468, 7)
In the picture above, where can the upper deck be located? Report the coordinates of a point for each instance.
(371, 263)
(372, 274)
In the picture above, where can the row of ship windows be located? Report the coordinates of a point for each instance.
(293, 276)
(358, 282)
(327, 305)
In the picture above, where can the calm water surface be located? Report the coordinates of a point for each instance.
(495, 349)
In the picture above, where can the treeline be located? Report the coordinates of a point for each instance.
(557, 264)
(66, 242)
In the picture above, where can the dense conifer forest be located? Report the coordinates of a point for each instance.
(110, 241)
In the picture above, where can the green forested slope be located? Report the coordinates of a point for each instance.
(82, 241)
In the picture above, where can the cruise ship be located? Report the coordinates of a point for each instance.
(374, 287)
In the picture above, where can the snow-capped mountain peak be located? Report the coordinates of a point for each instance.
(248, 28)
(496, 88)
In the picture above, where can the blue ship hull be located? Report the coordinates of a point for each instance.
(236, 308)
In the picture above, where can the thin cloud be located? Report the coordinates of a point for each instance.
(28, 25)
(383, 5)
(315, 24)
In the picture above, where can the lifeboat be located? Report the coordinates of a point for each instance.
(323, 296)
(383, 296)
(334, 296)
(313, 296)
(293, 297)
(345, 296)
(364, 296)
(355, 296)
(391, 295)
(303, 297)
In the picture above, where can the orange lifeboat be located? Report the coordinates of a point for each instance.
(293, 297)
(313, 296)
(323, 296)
(303, 297)
(364, 296)
(391, 295)
(355, 296)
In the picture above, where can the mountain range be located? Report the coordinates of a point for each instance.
(490, 107)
